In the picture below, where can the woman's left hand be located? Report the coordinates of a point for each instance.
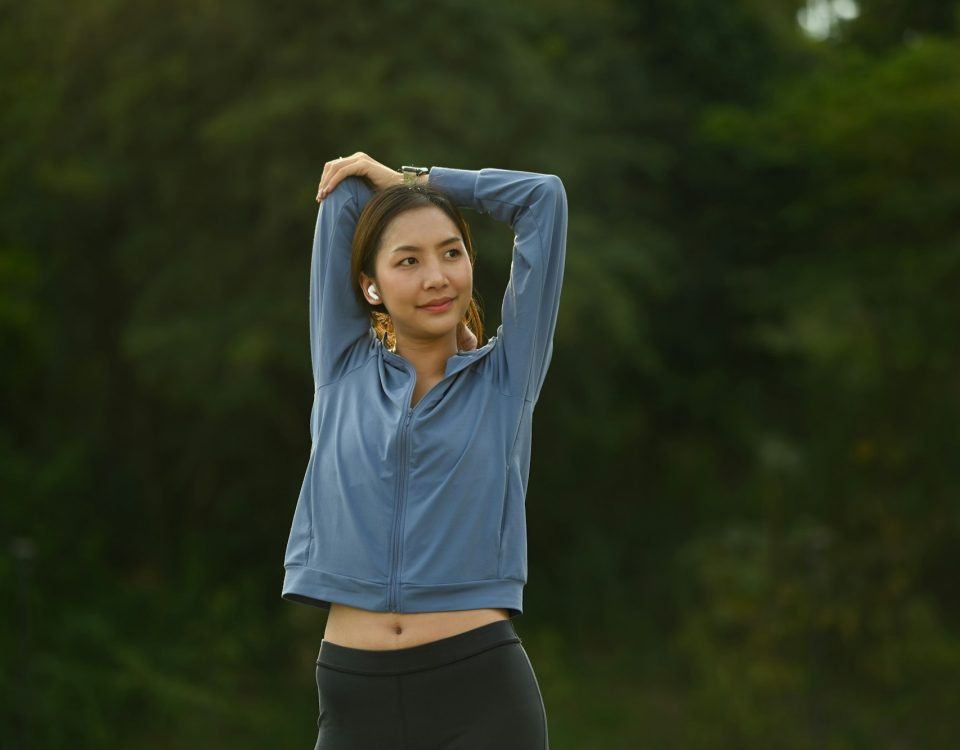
(466, 339)
(380, 175)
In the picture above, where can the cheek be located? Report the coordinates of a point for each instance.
(394, 284)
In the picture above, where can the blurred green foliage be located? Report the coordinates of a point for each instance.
(743, 500)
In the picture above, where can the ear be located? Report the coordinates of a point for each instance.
(366, 281)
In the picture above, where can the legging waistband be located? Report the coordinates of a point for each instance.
(416, 658)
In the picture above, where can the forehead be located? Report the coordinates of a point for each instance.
(426, 225)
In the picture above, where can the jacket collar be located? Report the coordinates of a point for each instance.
(455, 363)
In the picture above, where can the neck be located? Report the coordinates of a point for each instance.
(428, 356)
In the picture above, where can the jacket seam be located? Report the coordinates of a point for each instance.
(541, 291)
(335, 573)
(527, 208)
(344, 374)
(432, 584)
(491, 380)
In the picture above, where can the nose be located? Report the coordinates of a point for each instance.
(433, 276)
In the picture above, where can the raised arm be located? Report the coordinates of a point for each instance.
(337, 319)
(535, 207)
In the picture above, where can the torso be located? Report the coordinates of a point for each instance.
(363, 628)
(366, 629)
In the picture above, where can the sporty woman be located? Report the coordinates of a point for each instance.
(410, 527)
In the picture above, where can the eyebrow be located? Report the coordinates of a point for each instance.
(408, 248)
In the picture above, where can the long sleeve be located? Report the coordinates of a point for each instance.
(337, 319)
(535, 207)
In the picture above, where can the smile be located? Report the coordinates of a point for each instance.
(438, 308)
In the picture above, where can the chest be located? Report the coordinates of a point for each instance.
(367, 428)
(422, 387)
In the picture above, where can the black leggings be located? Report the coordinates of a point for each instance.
(473, 690)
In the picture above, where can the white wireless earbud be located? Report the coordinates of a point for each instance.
(373, 291)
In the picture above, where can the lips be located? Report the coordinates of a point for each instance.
(438, 305)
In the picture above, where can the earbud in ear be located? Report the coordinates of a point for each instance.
(373, 291)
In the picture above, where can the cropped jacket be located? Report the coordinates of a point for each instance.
(423, 508)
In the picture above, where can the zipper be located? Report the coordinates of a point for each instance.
(393, 585)
(393, 597)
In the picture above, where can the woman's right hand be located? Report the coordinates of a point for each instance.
(359, 164)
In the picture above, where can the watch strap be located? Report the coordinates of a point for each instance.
(410, 174)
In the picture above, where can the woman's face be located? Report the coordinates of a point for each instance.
(422, 259)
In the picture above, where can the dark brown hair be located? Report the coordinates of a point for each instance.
(381, 209)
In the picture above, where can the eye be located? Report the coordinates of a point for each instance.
(402, 262)
(456, 250)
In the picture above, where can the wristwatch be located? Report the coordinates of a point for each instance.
(410, 174)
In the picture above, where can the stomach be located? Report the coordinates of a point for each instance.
(365, 629)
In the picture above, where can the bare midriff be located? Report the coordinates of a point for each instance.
(363, 628)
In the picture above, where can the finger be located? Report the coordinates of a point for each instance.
(355, 164)
(323, 177)
(329, 169)
(323, 187)
(338, 170)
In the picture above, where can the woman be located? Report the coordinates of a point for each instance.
(410, 527)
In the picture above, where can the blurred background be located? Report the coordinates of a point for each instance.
(743, 508)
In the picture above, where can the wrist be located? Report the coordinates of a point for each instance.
(414, 175)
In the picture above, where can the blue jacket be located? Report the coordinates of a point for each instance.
(423, 509)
